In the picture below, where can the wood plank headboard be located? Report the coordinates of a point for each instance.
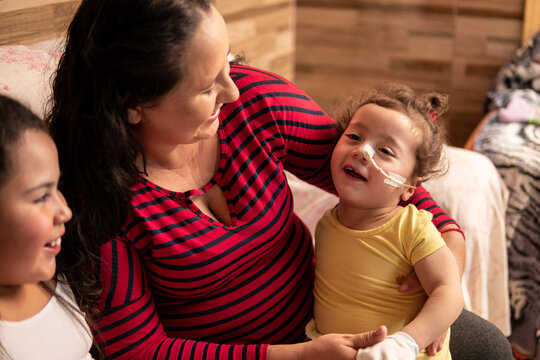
(263, 30)
(30, 21)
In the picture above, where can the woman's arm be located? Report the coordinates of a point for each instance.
(331, 346)
(422, 200)
(454, 239)
(439, 276)
(130, 327)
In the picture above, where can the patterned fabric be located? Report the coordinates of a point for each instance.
(514, 148)
(25, 74)
(521, 72)
(175, 273)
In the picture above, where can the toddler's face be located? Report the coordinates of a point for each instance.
(394, 139)
(32, 212)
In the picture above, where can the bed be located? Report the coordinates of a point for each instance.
(472, 191)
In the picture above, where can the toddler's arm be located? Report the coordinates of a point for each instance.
(439, 275)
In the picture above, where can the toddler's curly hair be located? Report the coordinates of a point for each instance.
(425, 109)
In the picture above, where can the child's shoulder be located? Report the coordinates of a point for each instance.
(24, 302)
(420, 215)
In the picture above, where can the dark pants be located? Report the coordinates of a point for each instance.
(473, 338)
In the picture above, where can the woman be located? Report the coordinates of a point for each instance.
(173, 166)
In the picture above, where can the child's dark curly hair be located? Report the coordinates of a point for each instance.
(425, 109)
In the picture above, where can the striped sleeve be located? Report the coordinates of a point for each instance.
(422, 200)
(130, 327)
(310, 135)
(307, 135)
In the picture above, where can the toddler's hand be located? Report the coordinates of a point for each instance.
(399, 346)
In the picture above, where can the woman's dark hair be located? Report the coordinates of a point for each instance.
(424, 108)
(119, 54)
(15, 120)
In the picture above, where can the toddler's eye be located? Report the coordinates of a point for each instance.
(353, 137)
(386, 151)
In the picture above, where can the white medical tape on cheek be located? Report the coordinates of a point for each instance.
(395, 180)
(391, 179)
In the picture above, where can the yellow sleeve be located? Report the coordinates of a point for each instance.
(424, 238)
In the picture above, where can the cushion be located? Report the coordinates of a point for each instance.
(26, 73)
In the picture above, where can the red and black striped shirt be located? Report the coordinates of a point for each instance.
(179, 284)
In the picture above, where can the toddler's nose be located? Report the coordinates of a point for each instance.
(368, 152)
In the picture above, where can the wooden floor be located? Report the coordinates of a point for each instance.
(454, 46)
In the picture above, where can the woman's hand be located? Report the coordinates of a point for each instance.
(330, 346)
(436, 346)
(410, 284)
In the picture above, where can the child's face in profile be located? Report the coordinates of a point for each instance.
(32, 212)
(394, 139)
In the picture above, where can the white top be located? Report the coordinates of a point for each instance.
(53, 333)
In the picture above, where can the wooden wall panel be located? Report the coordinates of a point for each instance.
(263, 30)
(30, 21)
(451, 46)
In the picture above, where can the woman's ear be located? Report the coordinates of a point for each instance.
(134, 115)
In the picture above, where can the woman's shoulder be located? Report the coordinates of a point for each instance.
(249, 79)
(264, 92)
(241, 71)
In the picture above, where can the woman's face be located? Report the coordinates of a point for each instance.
(32, 212)
(189, 112)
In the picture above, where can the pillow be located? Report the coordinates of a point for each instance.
(26, 73)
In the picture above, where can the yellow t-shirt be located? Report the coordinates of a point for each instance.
(356, 272)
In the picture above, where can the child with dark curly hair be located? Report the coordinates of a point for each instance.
(392, 140)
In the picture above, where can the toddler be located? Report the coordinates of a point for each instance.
(392, 139)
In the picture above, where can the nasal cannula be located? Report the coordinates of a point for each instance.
(390, 178)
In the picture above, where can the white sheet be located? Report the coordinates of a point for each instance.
(473, 193)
